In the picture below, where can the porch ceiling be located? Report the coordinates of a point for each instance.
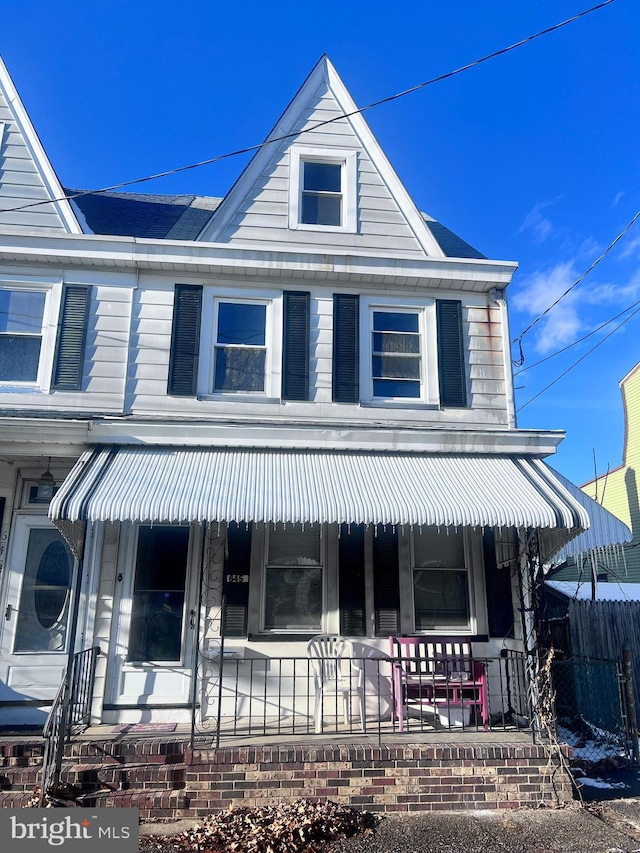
(181, 485)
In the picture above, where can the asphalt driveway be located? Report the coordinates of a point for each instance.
(611, 827)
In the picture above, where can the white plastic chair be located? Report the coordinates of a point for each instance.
(335, 674)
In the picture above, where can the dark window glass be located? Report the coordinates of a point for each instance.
(395, 321)
(293, 591)
(441, 598)
(158, 595)
(440, 580)
(19, 358)
(239, 369)
(240, 356)
(396, 388)
(393, 367)
(21, 314)
(321, 209)
(396, 362)
(321, 194)
(241, 323)
(384, 342)
(322, 177)
(21, 311)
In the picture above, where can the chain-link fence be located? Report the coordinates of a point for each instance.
(590, 710)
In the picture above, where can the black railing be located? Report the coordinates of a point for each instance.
(69, 714)
(261, 696)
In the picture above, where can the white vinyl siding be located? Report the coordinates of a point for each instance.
(263, 216)
(20, 180)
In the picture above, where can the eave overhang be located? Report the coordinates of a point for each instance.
(280, 261)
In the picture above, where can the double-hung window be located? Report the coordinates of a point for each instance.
(322, 189)
(396, 354)
(399, 358)
(293, 597)
(440, 580)
(22, 313)
(321, 202)
(240, 350)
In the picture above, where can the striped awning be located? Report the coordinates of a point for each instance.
(181, 485)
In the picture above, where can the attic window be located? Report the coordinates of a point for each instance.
(321, 193)
(322, 189)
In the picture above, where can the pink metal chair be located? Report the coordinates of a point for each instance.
(437, 676)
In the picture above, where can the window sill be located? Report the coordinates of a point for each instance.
(332, 229)
(280, 636)
(238, 398)
(399, 404)
(21, 389)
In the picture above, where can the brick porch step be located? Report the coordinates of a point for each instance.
(169, 803)
(91, 777)
(21, 753)
(130, 751)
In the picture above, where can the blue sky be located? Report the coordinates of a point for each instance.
(531, 157)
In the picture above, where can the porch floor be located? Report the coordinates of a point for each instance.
(385, 734)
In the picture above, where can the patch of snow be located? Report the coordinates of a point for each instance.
(606, 746)
(601, 783)
(604, 591)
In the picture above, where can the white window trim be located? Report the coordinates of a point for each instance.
(348, 160)
(258, 582)
(52, 289)
(474, 566)
(273, 344)
(117, 664)
(429, 386)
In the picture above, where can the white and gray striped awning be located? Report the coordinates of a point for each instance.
(181, 485)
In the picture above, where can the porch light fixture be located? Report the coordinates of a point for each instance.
(46, 484)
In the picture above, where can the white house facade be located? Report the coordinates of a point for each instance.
(237, 424)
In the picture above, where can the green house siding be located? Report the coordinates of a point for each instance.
(618, 492)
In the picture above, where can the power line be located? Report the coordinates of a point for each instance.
(578, 341)
(576, 363)
(580, 278)
(370, 106)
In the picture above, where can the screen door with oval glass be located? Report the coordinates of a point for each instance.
(35, 629)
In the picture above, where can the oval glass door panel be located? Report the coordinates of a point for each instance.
(44, 599)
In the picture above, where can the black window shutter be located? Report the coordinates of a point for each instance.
(236, 580)
(346, 362)
(386, 582)
(72, 337)
(453, 383)
(498, 585)
(351, 580)
(295, 350)
(185, 340)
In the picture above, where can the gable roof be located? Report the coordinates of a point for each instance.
(26, 175)
(151, 215)
(322, 117)
(450, 244)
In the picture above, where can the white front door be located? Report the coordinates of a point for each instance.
(35, 637)
(151, 659)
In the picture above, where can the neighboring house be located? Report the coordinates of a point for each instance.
(299, 396)
(616, 491)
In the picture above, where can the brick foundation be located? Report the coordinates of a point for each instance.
(167, 779)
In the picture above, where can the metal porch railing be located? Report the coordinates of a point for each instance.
(243, 695)
(70, 713)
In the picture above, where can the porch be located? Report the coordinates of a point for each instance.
(237, 756)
